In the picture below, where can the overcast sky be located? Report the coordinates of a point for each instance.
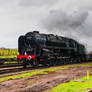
(72, 18)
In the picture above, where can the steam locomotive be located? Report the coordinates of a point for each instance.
(47, 49)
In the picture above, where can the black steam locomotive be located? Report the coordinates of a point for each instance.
(48, 49)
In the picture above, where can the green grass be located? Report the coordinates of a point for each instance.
(30, 82)
(72, 86)
(33, 73)
(11, 62)
(42, 71)
(9, 56)
(82, 65)
(25, 75)
(8, 52)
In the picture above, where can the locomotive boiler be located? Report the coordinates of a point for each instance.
(47, 49)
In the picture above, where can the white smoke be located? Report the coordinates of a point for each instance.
(58, 20)
(71, 24)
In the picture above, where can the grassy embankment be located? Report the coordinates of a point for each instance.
(74, 86)
(8, 53)
(42, 71)
(9, 56)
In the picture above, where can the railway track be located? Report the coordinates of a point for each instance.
(7, 59)
(9, 65)
(11, 62)
(13, 69)
(7, 71)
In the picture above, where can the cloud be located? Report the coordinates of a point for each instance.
(75, 25)
(63, 17)
(59, 20)
(37, 3)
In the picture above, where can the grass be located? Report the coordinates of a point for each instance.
(25, 75)
(86, 64)
(8, 52)
(11, 62)
(9, 56)
(42, 71)
(33, 73)
(72, 86)
(30, 82)
(82, 65)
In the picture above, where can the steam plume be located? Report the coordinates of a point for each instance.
(68, 24)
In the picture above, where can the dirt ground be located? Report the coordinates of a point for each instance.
(40, 83)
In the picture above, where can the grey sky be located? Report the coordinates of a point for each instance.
(69, 17)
